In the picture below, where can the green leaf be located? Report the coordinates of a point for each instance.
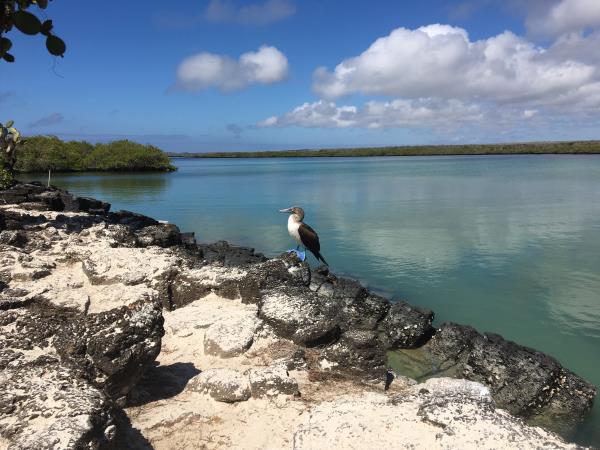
(8, 57)
(10, 123)
(5, 45)
(47, 27)
(55, 45)
(26, 22)
(43, 4)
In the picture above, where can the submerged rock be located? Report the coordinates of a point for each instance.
(524, 381)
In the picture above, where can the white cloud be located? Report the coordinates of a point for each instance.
(444, 120)
(376, 114)
(204, 70)
(564, 16)
(440, 61)
(269, 122)
(263, 13)
(437, 79)
(318, 114)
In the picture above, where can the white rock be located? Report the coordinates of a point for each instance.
(271, 381)
(231, 336)
(224, 385)
(446, 420)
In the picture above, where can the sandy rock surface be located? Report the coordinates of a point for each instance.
(197, 399)
(438, 415)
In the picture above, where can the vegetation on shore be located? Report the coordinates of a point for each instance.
(574, 147)
(43, 153)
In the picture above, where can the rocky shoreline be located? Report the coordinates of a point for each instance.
(117, 331)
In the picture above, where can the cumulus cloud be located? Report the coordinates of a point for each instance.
(441, 120)
(441, 61)
(263, 13)
(204, 70)
(52, 119)
(436, 77)
(378, 114)
(564, 16)
(543, 18)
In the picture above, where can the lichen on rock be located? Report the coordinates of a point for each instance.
(224, 385)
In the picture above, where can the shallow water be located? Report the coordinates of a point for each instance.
(508, 244)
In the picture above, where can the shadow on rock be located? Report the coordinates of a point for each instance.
(161, 382)
(74, 224)
(128, 437)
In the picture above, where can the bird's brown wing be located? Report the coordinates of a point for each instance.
(310, 240)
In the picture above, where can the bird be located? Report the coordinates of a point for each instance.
(303, 234)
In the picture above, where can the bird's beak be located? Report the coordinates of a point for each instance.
(286, 210)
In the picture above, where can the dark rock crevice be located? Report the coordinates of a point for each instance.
(162, 382)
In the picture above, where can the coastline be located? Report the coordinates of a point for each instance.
(526, 148)
(90, 263)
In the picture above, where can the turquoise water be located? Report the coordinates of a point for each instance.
(509, 244)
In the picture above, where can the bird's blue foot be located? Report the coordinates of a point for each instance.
(301, 255)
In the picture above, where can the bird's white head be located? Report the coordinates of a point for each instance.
(296, 211)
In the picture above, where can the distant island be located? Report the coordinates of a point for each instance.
(572, 147)
(43, 153)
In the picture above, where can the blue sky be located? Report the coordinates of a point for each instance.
(220, 75)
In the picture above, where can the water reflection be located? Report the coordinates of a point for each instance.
(128, 188)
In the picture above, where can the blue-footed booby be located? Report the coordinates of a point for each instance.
(303, 234)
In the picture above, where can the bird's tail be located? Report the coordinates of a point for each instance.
(320, 257)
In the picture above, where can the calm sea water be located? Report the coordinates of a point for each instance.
(509, 244)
